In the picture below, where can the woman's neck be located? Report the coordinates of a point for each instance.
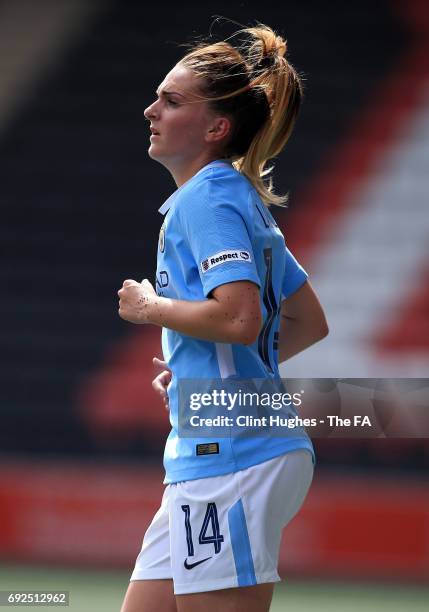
(183, 174)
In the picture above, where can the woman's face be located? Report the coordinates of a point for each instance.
(182, 122)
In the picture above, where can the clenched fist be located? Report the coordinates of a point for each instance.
(161, 382)
(136, 300)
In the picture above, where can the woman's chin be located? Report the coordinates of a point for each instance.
(152, 152)
(156, 155)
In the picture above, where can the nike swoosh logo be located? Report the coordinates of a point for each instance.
(189, 566)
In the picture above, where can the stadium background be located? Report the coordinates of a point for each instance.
(81, 432)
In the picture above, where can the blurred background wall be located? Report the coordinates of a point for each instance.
(81, 431)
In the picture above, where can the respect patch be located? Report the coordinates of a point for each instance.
(224, 257)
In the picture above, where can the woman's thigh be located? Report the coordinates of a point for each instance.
(242, 599)
(149, 596)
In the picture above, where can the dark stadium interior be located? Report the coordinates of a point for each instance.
(79, 200)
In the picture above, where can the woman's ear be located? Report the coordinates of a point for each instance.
(219, 129)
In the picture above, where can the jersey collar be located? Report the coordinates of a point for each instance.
(167, 204)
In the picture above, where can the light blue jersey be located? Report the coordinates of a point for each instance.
(217, 230)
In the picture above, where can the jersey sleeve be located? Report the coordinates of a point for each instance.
(218, 237)
(294, 275)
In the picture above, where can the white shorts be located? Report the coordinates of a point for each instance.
(224, 531)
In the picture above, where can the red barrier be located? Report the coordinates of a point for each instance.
(349, 527)
(354, 527)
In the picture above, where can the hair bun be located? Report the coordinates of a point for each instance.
(271, 53)
(281, 46)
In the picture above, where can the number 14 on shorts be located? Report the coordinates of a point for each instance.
(211, 523)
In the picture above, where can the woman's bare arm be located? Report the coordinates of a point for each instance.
(232, 313)
(302, 322)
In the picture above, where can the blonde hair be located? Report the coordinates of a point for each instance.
(259, 90)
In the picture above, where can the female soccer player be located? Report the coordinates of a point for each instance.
(232, 302)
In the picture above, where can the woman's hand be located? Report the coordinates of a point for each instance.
(135, 301)
(161, 382)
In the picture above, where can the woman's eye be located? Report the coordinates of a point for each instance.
(172, 102)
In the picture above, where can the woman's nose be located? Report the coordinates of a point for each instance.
(150, 111)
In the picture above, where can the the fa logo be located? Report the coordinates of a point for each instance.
(161, 241)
